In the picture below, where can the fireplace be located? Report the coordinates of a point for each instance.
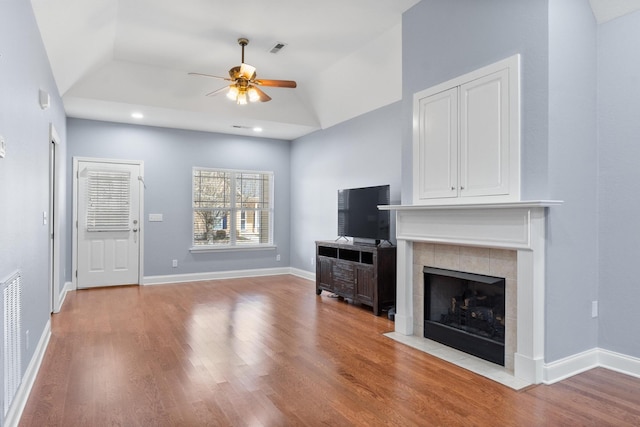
(517, 228)
(466, 311)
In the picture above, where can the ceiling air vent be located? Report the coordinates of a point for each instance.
(277, 47)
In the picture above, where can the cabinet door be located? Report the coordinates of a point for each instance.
(365, 285)
(484, 136)
(323, 277)
(436, 150)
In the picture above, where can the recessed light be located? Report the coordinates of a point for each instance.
(137, 115)
(256, 129)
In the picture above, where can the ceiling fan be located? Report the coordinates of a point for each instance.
(244, 86)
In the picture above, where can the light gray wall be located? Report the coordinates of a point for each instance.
(443, 39)
(24, 172)
(169, 156)
(361, 152)
(572, 254)
(619, 178)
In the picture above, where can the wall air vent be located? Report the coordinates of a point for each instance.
(277, 47)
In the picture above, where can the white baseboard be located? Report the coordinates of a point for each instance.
(594, 358)
(22, 395)
(309, 275)
(68, 286)
(620, 362)
(569, 366)
(196, 277)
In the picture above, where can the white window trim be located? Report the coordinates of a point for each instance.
(232, 246)
(211, 248)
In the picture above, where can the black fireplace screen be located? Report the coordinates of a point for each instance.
(465, 311)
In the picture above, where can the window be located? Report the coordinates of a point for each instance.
(232, 208)
(108, 206)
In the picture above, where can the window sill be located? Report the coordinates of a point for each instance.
(199, 249)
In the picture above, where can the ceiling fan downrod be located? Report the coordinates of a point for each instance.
(243, 42)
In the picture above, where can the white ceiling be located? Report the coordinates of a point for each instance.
(606, 10)
(113, 57)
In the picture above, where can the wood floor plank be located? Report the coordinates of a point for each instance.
(268, 351)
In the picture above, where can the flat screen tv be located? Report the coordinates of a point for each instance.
(358, 213)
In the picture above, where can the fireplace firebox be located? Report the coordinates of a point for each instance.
(465, 311)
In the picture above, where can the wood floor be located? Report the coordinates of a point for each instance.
(269, 352)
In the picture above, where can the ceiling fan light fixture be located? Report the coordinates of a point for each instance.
(253, 94)
(233, 93)
(242, 98)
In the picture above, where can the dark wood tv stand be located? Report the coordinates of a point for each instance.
(364, 274)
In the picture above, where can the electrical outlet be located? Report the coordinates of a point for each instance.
(313, 261)
(594, 309)
(3, 147)
(175, 263)
(26, 339)
(278, 257)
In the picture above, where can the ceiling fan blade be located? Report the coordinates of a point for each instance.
(247, 71)
(209, 75)
(215, 92)
(263, 96)
(276, 83)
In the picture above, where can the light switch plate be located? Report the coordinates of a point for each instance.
(155, 217)
(3, 147)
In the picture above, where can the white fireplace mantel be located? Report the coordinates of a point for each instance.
(519, 226)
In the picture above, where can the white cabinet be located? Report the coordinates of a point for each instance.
(467, 138)
(437, 149)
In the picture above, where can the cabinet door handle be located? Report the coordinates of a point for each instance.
(453, 188)
(462, 188)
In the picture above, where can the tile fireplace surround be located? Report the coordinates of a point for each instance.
(502, 239)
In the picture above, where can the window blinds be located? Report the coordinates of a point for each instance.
(108, 195)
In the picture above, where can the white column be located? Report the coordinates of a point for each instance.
(404, 289)
(529, 356)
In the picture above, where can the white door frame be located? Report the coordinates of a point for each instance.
(54, 219)
(74, 244)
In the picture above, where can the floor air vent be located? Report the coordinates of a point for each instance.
(12, 326)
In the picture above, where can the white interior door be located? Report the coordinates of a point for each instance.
(108, 220)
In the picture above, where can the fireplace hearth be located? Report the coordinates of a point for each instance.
(465, 311)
